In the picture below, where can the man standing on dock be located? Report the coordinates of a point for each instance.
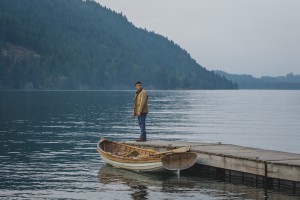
(141, 109)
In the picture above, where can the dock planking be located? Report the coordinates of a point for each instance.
(266, 163)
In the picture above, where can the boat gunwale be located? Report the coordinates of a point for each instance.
(156, 157)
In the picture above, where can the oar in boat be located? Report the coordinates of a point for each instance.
(178, 150)
(179, 161)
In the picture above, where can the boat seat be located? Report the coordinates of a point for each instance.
(120, 153)
(133, 153)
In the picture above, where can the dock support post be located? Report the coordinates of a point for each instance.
(243, 177)
(266, 175)
(220, 173)
(268, 181)
(256, 180)
(294, 185)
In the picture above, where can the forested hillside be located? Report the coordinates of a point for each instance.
(288, 82)
(75, 44)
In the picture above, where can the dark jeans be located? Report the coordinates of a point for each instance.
(142, 124)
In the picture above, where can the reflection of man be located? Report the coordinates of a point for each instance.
(141, 109)
(140, 192)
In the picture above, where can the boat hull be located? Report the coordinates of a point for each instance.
(147, 162)
(128, 157)
(139, 167)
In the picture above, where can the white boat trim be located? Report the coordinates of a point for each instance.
(140, 167)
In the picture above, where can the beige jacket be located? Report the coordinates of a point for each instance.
(140, 102)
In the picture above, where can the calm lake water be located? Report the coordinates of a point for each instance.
(48, 140)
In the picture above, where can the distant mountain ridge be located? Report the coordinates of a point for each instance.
(244, 81)
(76, 44)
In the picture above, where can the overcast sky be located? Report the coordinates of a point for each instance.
(257, 37)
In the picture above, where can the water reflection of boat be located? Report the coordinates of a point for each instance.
(109, 174)
(139, 183)
(129, 157)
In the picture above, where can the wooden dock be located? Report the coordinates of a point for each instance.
(272, 167)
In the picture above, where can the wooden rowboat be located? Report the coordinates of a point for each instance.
(124, 156)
